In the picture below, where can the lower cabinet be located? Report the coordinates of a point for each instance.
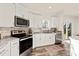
(5, 51)
(50, 38)
(43, 39)
(11, 48)
(36, 40)
(15, 47)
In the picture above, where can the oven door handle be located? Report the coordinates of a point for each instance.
(25, 38)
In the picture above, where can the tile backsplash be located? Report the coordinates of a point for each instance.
(6, 31)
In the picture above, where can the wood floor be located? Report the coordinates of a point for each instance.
(51, 50)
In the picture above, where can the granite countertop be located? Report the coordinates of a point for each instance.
(43, 32)
(5, 41)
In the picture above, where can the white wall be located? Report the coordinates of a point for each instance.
(76, 26)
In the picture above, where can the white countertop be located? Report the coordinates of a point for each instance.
(74, 37)
(74, 46)
(43, 33)
(5, 41)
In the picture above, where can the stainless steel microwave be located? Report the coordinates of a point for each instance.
(20, 22)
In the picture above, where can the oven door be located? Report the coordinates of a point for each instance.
(25, 44)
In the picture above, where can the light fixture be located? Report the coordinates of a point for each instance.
(50, 7)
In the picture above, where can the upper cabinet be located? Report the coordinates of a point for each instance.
(35, 21)
(7, 12)
(21, 11)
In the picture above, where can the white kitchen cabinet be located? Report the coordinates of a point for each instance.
(10, 47)
(19, 10)
(5, 51)
(51, 38)
(43, 39)
(48, 38)
(35, 21)
(36, 40)
(7, 12)
(15, 47)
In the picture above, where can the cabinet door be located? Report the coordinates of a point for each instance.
(19, 10)
(35, 21)
(15, 48)
(52, 38)
(7, 12)
(42, 39)
(36, 40)
(46, 39)
(5, 51)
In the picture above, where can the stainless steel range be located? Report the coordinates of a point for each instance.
(25, 42)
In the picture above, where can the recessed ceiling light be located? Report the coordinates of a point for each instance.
(50, 7)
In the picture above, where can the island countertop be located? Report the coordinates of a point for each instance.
(74, 37)
(44, 33)
(74, 45)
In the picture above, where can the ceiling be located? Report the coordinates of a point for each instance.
(54, 8)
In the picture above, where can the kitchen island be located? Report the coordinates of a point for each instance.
(42, 39)
(74, 45)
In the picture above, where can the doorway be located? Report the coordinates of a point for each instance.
(67, 30)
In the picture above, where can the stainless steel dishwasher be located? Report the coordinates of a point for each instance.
(58, 37)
